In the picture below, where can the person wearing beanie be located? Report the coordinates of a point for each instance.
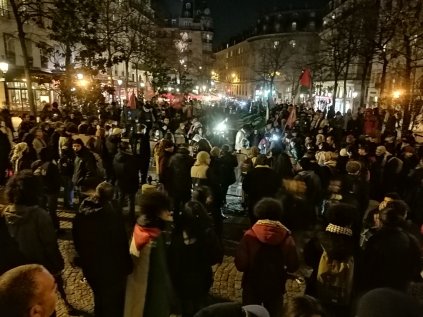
(387, 302)
(391, 257)
(233, 310)
(101, 243)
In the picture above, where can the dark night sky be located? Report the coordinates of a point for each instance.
(231, 17)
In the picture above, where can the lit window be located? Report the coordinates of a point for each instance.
(188, 6)
(3, 7)
(294, 26)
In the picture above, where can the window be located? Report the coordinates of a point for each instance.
(312, 25)
(133, 77)
(3, 8)
(188, 6)
(294, 26)
(9, 47)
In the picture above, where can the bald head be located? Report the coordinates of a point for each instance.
(27, 291)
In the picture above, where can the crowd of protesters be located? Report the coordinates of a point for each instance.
(310, 182)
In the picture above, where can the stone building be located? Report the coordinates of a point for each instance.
(268, 59)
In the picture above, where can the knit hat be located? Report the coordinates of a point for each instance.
(381, 150)
(343, 152)
(116, 131)
(353, 167)
(385, 302)
(78, 141)
(256, 311)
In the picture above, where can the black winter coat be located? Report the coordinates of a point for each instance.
(85, 169)
(227, 164)
(180, 164)
(101, 242)
(126, 172)
(259, 183)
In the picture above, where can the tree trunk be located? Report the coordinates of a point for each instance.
(335, 89)
(27, 68)
(126, 79)
(383, 77)
(407, 84)
(68, 76)
(344, 97)
(363, 86)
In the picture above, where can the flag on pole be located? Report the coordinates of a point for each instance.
(305, 78)
(292, 118)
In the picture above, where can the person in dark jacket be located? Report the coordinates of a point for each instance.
(265, 255)
(49, 176)
(228, 162)
(31, 226)
(281, 164)
(261, 182)
(127, 181)
(5, 148)
(85, 167)
(194, 248)
(392, 256)
(164, 159)
(141, 147)
(101, 243)
(180, 179)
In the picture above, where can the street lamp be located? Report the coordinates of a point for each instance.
(4, 67)
(396, 94)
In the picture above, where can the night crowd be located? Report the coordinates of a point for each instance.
(338, 196)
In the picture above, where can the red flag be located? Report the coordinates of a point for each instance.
(132, 101)
(305, 78)
(292, 118)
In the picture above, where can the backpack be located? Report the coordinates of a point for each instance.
(11, 255)
(335, 280)
(268, 269)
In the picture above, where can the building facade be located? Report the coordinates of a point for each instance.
(269, 59)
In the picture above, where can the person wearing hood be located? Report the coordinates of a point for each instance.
(265, 255)
(180, 179)
(101, 243)
(21, 157)
(127, 181)
(148, 290)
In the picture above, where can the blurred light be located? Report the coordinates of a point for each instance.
(83, 82)
(302, 96)
(119, 82)
(80, 76)
(354, 94)
(204, 87)
(73, 89)
(142, 84)
(221, 126)
(396, 94)
(4, 67)
(177, 89)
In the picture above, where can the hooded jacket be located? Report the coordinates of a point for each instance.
(264, 232)
(33, 231)
(100, 241)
